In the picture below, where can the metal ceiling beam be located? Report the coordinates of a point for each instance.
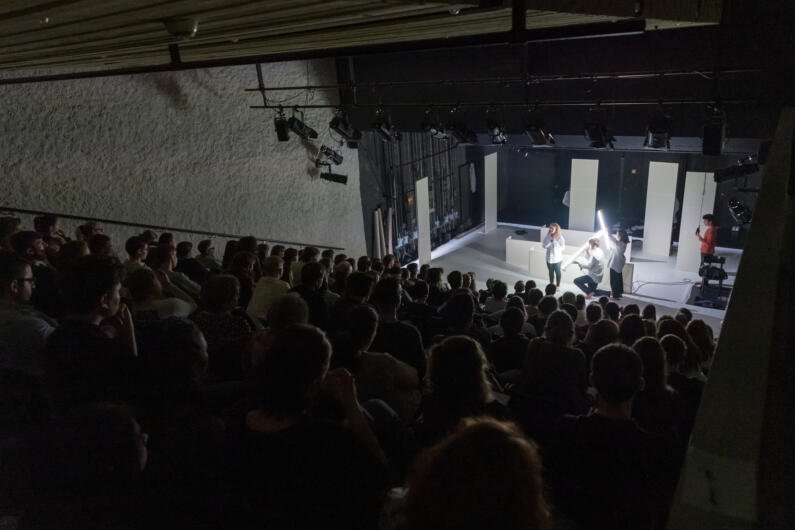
(594, 30)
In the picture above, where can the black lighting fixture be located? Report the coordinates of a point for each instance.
(495, 127)
(334, 177)
(300, 128)
(384, 128)
(658, 131)
(456, 128)
(431, 125)
(744, 167)
(714, 131)
(537, 131)
(596, 130)
(280, 124)
(327, 156)
(342, 126)
(740, 212)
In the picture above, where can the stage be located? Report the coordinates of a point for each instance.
(655, 281)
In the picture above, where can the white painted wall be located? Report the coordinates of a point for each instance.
(423, 221)
(660, 197)
(180, 149)
(699, 198)
(490, 192)
(582, 194)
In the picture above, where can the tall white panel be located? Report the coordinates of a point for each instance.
(660, 197)
(422, 200)
(582, 194)
(699, 198)
(490, 192)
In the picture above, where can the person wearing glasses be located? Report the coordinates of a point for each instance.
(23, 329)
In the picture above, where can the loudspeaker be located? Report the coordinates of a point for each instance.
(712, 138)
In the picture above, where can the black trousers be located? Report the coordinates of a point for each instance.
(554, 273)
(616, 283)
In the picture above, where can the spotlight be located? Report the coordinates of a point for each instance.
(714, 131)
(299, 127)
(457, 129)
(596, 131)
(384, 128)
(340, 124)
(433, 127)
(536, 131)
(495, 129)
(334, 177)
(741, 213)
(743, 168)
(327, 156)
(658, 131)
(280, 124)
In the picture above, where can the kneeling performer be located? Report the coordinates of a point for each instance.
(594, 257)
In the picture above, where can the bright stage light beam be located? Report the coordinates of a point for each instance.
(579, 250)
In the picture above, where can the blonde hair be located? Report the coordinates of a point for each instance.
(556, 226)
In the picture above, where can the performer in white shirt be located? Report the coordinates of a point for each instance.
(554, 244)
(593, 264)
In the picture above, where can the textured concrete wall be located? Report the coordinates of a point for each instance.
(179, 149)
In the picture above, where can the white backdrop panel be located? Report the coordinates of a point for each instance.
(660, 196)
(423, 221)
(490, 192)
(699, 198)
(582, 194)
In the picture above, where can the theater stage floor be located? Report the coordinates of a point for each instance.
(655, 282)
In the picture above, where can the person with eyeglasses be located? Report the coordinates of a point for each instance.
(23, 329)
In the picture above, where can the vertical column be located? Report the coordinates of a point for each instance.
(423, 221)
(660, 196)
(582, 194)
(699, 199)
(490, 192)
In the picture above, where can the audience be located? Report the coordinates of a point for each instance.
(248, 428)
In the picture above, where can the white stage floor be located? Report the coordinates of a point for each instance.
(655, 282)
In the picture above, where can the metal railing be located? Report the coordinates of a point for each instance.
(161, 228)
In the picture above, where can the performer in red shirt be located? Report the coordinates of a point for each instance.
(710, 237)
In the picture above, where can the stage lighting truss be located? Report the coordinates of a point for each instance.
(342, 126)
(300, 128)
(658, 131)
(456, 128)
(537, 131)
(596, 130)
(384, 128)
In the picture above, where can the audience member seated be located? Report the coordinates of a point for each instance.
(550, 289)
(8, 227)
(600, 333)
(701, 335)
(507, 353)
(630, 309)
(339, 276)
(242, 268)
(484, 475)
(100, 245)
(612, 311)
(378, 375)
(516, 302)
(459, 312)
(166, 238)
(571, 310)
(690, 389)
(23, 329)
(228, 335)
(459, 388)
(518, 289)
(554, 379)
(605, 471)
(85, 469)
(534, 296)
(206, 257)
(546, 306)
(85, 362)
(437, 294)
(154, 297)
(230, 249)
(309, 290)
(250, 244)
(497, 300)
(658, 408)
(165, 259)
(137, 249)
(69, 253)
(45, 297)
(401, 340)
(307, 255)
(49, 226)
(683, 316)
(300, 472)
(269, 288)
(631, 329)
(649, 312)
(188, 265)
(691, 367)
